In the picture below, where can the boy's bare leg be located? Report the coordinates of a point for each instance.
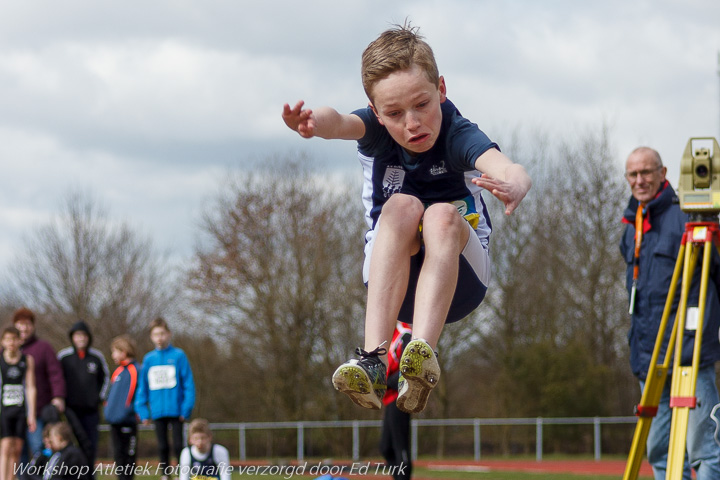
(445, 234)
(5, 458)
(397, 240)
(364, 380)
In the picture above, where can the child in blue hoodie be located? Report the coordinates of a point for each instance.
(119, 409)
(166, 391)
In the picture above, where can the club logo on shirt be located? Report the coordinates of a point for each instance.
(14, 372)
(393, 180)
(438, 169)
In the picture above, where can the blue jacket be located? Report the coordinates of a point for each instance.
(166, 387)
(119, 409)
(663, 231)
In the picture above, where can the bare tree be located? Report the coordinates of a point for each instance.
(82, 265)
(550, 337)
(552, 329)
(281, 275)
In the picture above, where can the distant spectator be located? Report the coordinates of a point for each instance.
(17, 414)
(38, 462)
(87, 379)
(119, 409)
(68, 462)
(654, 231)
(166, 391)
(49, 380)
(203, 459)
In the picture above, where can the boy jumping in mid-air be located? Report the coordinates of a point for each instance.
(426, 253)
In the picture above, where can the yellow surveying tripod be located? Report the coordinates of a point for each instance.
(682, 391)
(701, 232)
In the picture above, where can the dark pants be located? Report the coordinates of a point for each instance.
(161, 431)
(124, 439)
(88, 437)
(395, 442)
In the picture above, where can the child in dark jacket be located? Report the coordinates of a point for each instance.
(68, 462)
(37, 464)
(119, 411)
(86, 378)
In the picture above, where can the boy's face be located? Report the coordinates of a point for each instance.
(160, 337)
(80, 340)
(57, 443)
(118, 355)
(408, 105)
(201, 441)
(11, 342)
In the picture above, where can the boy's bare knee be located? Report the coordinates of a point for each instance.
(402, 210)
(403, 204)
(442, 216)
(443, 222)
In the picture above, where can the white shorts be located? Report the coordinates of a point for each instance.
(473, 278)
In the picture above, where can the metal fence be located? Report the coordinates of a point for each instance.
(416, 425)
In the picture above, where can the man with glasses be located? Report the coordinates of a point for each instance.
(650, 244)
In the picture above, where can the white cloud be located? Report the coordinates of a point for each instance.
(147, 103)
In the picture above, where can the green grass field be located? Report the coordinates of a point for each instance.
(435, 475)
(422, 473)
(554, 467)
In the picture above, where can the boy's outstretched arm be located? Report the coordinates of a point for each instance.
(324, 122)
(508, 181)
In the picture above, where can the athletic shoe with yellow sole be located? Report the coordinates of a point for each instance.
(364, 380)
(419, 374)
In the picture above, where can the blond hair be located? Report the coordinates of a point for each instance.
(125, 344)
(62, 430)
(399, 48)
(199, 425)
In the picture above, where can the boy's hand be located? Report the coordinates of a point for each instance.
(59, 403)
(302, 121)
(510, 193)
(508, 181)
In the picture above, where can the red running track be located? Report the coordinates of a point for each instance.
(605, 467)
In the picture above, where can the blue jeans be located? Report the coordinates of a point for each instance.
(33, 442)
(703, 453)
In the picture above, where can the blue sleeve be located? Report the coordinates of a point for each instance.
(188, 387)
(141, 394)
(466, 142)
(376, 139)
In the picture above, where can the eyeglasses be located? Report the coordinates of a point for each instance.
(642, 173)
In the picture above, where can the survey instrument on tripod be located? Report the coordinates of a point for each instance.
(699, 196)
(699, 189)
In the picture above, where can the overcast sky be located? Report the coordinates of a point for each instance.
(149, 103)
